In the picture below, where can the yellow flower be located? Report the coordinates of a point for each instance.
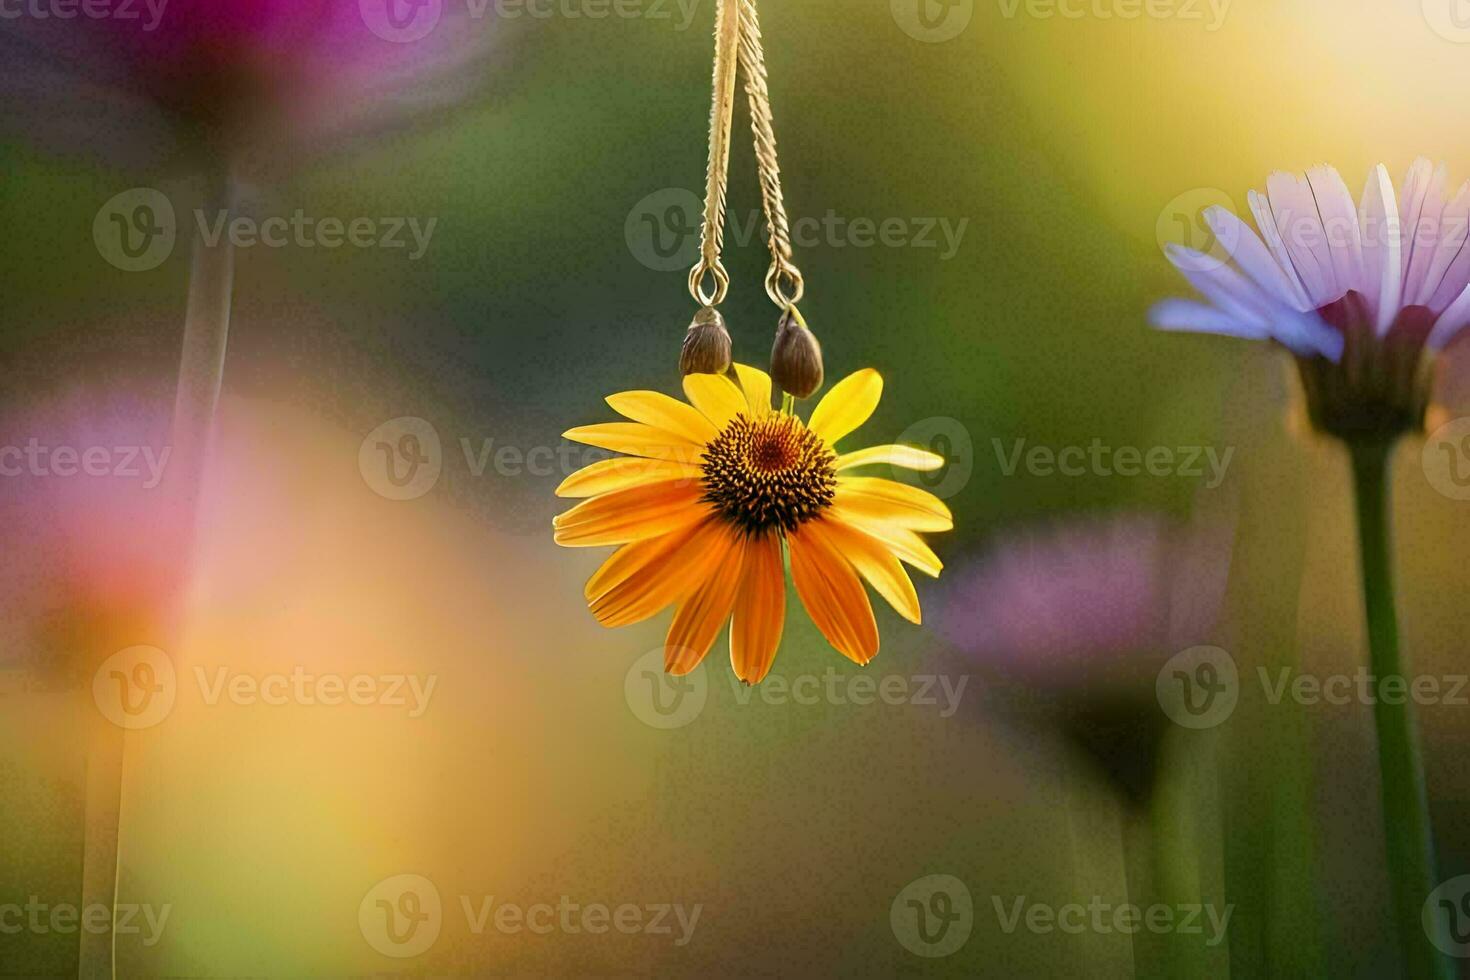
(708, 494)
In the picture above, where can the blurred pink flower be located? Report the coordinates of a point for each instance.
(92, 538)
(1092, 604)
(244, 84)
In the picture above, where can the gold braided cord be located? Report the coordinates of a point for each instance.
(784, 283)
(722, 114)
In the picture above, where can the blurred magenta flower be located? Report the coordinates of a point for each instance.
(1092, 605)
(239, 84)
(1079, 617)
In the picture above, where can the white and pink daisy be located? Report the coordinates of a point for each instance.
(1364, 296)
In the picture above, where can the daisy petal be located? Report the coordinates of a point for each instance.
(1339, 216)
(1254, 259)
(757, 386)
(897, 503)
(848, 405)
(906, 545)
(1191, 317)
(760, 610)
(645, 578)
(630, 515)
(1450, 323)
(622, 472)
(716, 396)
(833, 595)
(705, 611)
(876, 564)
(1300, 224)
(909, 457)
(637, 439)
(1378, 215)
(662, 412)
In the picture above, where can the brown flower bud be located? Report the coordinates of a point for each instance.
(796, 359)
(706, 345)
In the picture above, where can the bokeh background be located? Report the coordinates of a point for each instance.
(1067, 149)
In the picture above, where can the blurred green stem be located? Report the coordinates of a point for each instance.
(201, 370)
(1405, 806)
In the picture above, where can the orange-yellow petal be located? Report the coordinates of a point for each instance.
(905, 544)
(896, 503)
(667, 414)
(637, 439)
(876, 564)
(760, 610)
(622, 472)
(630, 515)
(716, 396)
(848, 405)
(832, 594)
(645, 578)
(704, 612)
(909, 457)
(757, 386)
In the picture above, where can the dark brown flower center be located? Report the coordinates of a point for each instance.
(769, 473)
(1379, 389)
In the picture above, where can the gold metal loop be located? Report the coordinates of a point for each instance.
(721, 278)
(785, 285)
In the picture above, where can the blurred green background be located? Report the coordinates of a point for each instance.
(1063, 144)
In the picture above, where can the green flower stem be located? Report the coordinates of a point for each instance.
(1405, 805)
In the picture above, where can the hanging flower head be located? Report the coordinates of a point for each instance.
(1364, 297)
(710, 495)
